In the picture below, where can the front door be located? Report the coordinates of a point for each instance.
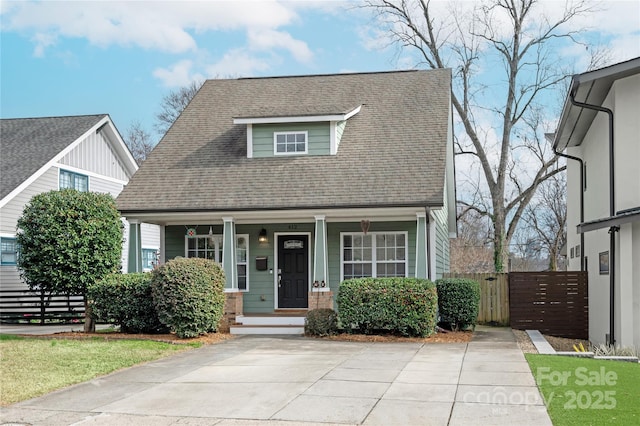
(293, 271)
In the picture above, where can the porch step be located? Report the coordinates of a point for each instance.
(273, 320)
(267, 329)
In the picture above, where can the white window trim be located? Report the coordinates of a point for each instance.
(219, 239)
(15, 243)
(148, 249)
(306, 143)
(373, 251)
(64, 170)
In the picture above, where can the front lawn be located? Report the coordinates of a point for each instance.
(585, 392)
(34, 366)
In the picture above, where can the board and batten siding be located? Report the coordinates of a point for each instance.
(318, 142)
(94, 154)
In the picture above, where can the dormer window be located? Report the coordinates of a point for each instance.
(287, 143)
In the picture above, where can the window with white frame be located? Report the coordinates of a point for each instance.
(8, 251)
(73, 181)
(290, 143)
(210, 247)
(376, 254)
(149, 259)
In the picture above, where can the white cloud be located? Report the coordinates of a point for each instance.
(261, 40)
(178, 74)
(160, 25)
(237, 63)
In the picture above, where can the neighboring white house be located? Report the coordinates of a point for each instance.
(602, 115)
(42, 154)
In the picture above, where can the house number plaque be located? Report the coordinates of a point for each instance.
(293, 244)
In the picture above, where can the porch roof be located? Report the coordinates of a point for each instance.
(392, 153)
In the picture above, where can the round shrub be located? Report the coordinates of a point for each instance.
(458, 302)
(125, 300)
(188, 295)
(406, 306)
(321, 322)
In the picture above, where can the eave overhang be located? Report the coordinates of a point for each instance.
(621, 217)
(592, 88)
(338, 116)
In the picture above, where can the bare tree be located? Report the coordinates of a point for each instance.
(139, 142)
(471, 251)
(546, 218)
(511, 38)
(172, 105)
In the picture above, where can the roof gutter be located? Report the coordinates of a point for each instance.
(612, 229)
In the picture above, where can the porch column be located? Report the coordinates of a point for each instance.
(229, 254)
(422, 259)
(134, 263)
(320, 266)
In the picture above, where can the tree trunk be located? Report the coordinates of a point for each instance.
(89, 322)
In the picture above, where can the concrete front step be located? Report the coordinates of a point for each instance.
(266, 329)
(275, 320)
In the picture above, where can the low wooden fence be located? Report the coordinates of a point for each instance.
(494, 296)
(555, 303)
(23, 306)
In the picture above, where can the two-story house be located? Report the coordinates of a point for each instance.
(599, 128)
(294, 184)
(42, 154)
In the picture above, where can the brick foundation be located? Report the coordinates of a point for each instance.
(232, 308)
(320, 300)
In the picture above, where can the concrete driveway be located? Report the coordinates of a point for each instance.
(293, 380)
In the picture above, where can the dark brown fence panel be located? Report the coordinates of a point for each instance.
(29, 307)
(555, 303)
(494, 296)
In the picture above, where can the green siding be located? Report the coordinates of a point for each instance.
(442, 239)
(261, 283)
(318, 134)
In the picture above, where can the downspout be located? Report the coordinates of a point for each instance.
(612, 212)
(428, 225)
(579, 160)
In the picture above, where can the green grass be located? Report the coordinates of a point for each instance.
(34, 366)
(586, 391)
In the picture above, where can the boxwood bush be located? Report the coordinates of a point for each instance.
(406, 306)
(458, 302)
(125, 300)
(188, 295)
(321, 322)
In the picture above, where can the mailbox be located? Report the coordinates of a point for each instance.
(261, 263)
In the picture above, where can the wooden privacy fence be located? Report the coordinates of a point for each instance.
(555, 303)
(20, 306)
(494, 296)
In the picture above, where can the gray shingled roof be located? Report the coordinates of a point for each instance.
(392, 152)
(27, 144)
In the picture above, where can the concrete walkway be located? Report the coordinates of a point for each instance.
(292, 380)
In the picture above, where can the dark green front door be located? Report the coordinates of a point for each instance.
(293, 268)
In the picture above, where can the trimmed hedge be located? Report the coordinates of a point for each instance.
(321, 322)
(458, 302)
(188, 295)
(126, 300)
(406, 306)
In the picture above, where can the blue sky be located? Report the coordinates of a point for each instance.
(79, 57)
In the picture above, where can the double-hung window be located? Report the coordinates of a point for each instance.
(73, 181)
(290, 143)
(8, 251)
(149, 259)
(376, 254)
(210, 247)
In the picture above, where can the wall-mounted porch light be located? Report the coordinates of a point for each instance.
(262, 236)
